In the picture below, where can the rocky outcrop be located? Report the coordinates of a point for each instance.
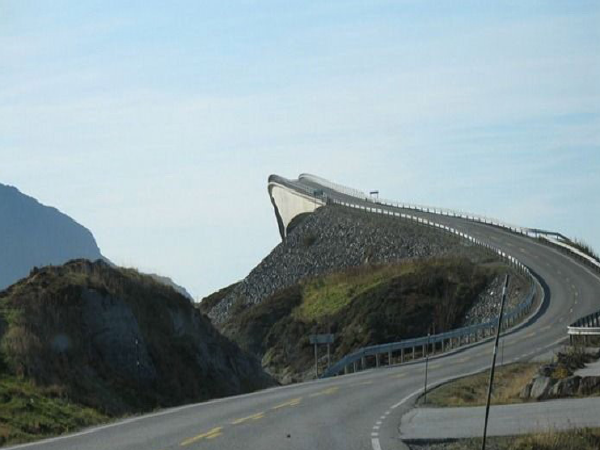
(34, 235)
(334, 238)
(557, 379)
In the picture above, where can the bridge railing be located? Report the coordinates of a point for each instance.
(445, 341)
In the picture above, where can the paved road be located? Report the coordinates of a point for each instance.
(505, 420)
(360, 411)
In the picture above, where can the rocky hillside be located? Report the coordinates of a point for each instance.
(34, 235)
(116, 341)
(332, 239)
(368, 279)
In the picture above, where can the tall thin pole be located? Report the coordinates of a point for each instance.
(489, 394)
(426, 368)
(316, 362)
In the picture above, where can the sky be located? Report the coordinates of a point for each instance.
(156, 124)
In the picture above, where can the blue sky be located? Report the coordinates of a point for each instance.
(156, 124)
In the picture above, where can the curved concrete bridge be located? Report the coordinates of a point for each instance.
(362, 411)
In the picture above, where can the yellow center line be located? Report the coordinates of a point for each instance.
(256, 416)
(329, 391)
(292, 402)
(530, 334)
(466, 358)
(400, 375)
(208, 435)
(547, 327)
(434, 366)
(364, 383)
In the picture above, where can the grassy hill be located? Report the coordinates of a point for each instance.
(365, 305)
(86, 342)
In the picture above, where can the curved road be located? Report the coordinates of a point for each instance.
(363, 410)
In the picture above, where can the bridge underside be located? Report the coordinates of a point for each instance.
(290, 201)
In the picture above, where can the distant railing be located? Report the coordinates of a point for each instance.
(448, 340)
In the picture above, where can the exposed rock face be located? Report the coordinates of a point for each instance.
(118, 340)
(556, 380)
(34, 235)
(334, 238)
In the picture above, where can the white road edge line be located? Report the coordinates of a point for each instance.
(375, 444)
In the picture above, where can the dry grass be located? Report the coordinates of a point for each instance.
(576, 439)
(472, 390)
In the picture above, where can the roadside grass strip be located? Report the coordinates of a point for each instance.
(208, 435)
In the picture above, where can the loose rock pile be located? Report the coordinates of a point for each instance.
(335, 238)
(487, 306)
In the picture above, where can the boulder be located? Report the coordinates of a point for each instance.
(541, 387)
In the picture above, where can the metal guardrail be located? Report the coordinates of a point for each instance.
(586, 326)
(447, 340)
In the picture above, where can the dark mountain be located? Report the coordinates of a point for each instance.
(35, 235)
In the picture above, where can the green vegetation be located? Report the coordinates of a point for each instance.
(576, 439)
(361, 306)
(328, 295)
(509, 380)
(29, 412)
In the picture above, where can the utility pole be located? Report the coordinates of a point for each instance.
(426, 368)
(316, 363)
(489, 394)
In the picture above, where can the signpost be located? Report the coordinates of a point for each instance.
(316, 340)
(374, 193)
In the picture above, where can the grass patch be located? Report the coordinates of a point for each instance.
(29, 412)
(327, 295)
(509, 380)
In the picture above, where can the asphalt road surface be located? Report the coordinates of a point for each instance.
(363, 410)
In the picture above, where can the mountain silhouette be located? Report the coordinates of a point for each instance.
(35, 235)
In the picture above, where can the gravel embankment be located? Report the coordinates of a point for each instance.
(335, 238)
(487, 305)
